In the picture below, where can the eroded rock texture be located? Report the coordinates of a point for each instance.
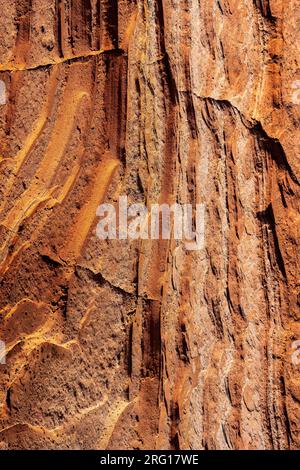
(142, 344)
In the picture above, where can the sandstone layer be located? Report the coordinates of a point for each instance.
(123, 344)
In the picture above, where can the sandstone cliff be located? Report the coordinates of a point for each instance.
(123, 344)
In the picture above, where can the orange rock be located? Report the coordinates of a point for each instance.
(126, 344)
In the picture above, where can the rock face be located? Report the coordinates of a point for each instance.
(123, 344)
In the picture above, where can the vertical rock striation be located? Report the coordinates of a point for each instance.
(123, 344)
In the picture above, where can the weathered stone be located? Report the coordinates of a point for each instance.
(127, 344)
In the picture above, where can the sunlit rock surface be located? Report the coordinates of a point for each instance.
(127, 344)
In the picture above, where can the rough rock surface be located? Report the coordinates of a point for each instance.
(142, 344)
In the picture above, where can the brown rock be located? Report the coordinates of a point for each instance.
(143, 344)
